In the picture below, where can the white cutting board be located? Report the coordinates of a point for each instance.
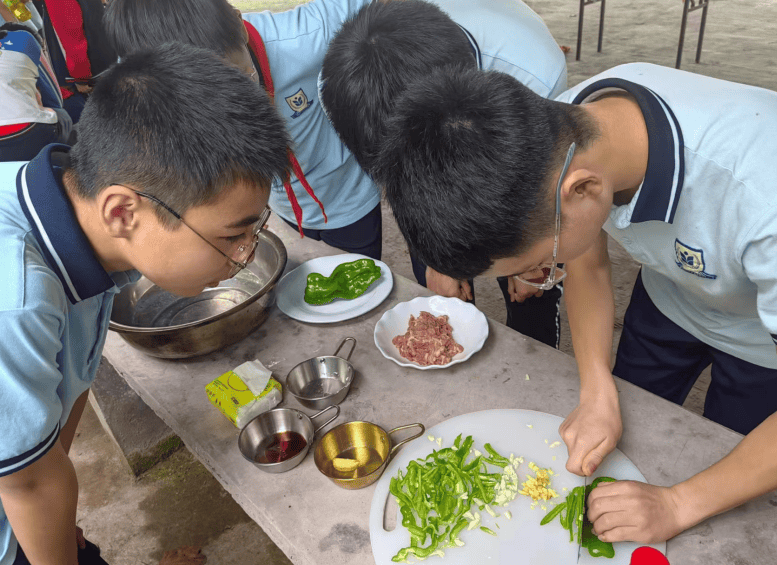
(520, 540)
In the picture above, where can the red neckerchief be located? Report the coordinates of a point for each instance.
(257, 45)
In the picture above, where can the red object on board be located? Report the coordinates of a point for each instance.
(648, 556)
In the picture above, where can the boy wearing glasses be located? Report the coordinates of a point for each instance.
(479, 170)
(169, 178)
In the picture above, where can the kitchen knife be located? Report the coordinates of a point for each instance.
(579, 523)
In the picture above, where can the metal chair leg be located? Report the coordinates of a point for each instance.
(701, 30)
(682, 34)
(579, 30)
(583, 4)
(601, 28)
(690, 6)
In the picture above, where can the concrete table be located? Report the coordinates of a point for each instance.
(315, 522)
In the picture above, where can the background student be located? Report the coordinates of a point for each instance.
(389, 44)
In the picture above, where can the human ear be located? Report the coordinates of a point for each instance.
(582, 183)
(118, 207)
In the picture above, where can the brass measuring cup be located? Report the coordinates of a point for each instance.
(354, 455)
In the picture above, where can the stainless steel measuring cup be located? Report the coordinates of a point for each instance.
(262, 439)
(322, 381)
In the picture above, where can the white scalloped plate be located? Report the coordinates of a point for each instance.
(470, 327)
(291, 292)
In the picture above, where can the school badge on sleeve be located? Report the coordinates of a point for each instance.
(298, 102)
(691, 260)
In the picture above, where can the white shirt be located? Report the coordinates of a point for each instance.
(704, 221)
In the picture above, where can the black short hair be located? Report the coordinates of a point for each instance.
(177, 122)
(386, 45)
(132, 25)
(466, 165)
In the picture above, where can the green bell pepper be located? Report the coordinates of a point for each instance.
(569, 513)
(347, 281)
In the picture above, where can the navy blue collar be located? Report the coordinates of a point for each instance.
(474, 46)
(50, 213)
(660, 191)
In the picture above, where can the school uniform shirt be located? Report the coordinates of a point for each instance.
(703, 223)
(507, 36)
(296, 42)
(55, 304)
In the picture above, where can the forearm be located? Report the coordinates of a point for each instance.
(40, 502)
(749, 471)
(591, 311)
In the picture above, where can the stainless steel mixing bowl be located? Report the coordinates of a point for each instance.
(164, 325)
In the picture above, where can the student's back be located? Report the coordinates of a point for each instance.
(31, 115)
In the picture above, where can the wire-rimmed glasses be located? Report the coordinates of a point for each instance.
(243, 253)
(548, 275)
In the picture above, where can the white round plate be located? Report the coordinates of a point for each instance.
(290, 292)
(470, 327)
(520, 540)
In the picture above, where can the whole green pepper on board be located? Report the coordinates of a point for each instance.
(347, 281)
(569, 513)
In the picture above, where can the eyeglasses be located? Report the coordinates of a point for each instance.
(243, 252)
(548, 275)
(251, 75)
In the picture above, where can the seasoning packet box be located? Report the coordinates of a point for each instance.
(245, 392)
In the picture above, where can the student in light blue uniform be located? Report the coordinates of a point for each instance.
(284, 52)
(134, 195)
(679, 168)
(387, 44)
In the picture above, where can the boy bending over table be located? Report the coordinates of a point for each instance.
(485, 176)
(170, 179)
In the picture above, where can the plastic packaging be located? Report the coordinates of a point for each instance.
(18, 9)
(245, 392)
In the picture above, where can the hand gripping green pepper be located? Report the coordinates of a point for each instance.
(571, 510)
(347, 281)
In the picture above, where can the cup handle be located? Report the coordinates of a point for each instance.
(404, 441)
(339, 347)
(329, 421)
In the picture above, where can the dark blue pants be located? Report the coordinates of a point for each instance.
(90, 555)
(536, 317)
(75, 105)
(658, 355)
(26, 144)
(365, 236)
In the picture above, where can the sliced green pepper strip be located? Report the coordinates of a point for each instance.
(474, 464)
(347, 281)
(460, 525)
(553, 513)
(440, 489)
(494, 455)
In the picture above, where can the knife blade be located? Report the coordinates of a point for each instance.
(579, 523)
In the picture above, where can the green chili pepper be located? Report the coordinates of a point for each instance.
(553, 513)
(575, 506)
(347, 281)
(595, 546)
(436, 492)
(502, 461)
